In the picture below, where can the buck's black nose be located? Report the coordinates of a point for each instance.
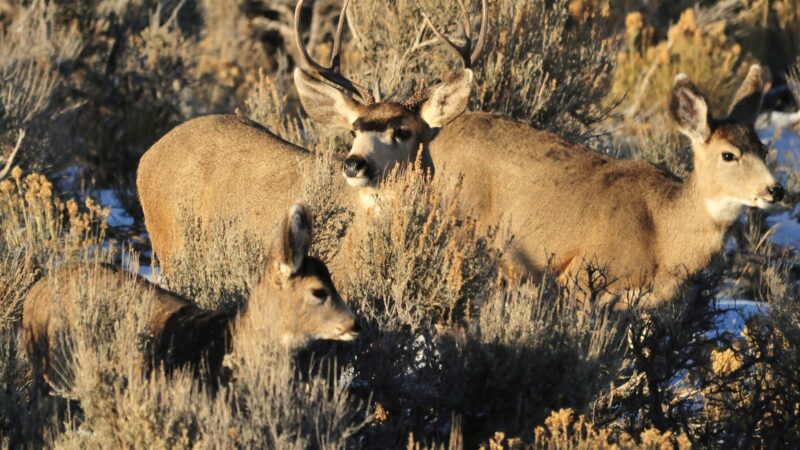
(776, 192)
(356, 327)
(353, 166)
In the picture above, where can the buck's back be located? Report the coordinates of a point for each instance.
(216, 167)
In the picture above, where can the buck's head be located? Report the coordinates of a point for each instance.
(296, 300)
(384, 133)
(728, 155)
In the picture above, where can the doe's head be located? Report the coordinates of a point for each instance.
(729, 157)
(296, 293)
(385, 133)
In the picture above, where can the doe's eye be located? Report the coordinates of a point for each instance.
(728, 157)
(319, 294)
(401, 134)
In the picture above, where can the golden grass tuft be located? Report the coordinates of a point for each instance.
(415, 257)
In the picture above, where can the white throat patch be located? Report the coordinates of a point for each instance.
(725, 209)
(368, 198)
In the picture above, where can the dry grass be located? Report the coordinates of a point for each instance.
(37, 227)
(17, 275)
(702, 50)
(751, 391)
(770, 29)
(537, 68)
(32, 47)
(542, 70)
(794, 80)
(217, 264)
(414, 259)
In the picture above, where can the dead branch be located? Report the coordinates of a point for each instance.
(10, 159)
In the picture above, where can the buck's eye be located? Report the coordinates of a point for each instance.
(319, 294)
(401, 134)
(728, 157)
(353, 133)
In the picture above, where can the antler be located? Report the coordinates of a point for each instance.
(464, 51)
(10, 160)
(331, 73)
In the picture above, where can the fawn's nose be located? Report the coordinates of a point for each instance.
(354, 165)
(777, 192)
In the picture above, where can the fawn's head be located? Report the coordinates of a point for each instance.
(296, 297)
(384, 133)
(729, 158)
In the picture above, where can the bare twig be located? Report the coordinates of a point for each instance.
(10, 159)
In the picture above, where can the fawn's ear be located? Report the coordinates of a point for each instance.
(324, 103)
(747, 102)
(688, 108)
(295, 239)
(445, 101)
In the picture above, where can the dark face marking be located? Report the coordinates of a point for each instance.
(379, 125)
(312, 267)
(740, 136)
(380, 117)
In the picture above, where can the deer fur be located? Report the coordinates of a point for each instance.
(218, 166)
(294, 302)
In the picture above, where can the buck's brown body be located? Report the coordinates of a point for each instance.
(219, 166)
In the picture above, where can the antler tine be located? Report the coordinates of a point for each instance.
(462, 51)
(337, 40)
(468, 55)
(466, 27)
(476, 53)
(331, 73)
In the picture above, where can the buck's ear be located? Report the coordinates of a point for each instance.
(295, 238)
(447, 100)
(324, 103)
(689, 110)
(747, 102)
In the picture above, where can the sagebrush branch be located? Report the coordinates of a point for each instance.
(10, 159)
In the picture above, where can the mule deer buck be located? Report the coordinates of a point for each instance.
(567, 205)
(224, 166)
(294, 302)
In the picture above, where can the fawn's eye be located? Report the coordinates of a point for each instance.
(319, 294)
(401, 134)
(728, 157)
(353, 133)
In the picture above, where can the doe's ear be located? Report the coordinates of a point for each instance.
(324, 103)
(447, 100)
(747, 102)
(295, 238)
(689, 110)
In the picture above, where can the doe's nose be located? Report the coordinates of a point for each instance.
(353, 165)
(777, 192)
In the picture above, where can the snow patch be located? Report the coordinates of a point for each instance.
(118, 216)
(733, 312)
